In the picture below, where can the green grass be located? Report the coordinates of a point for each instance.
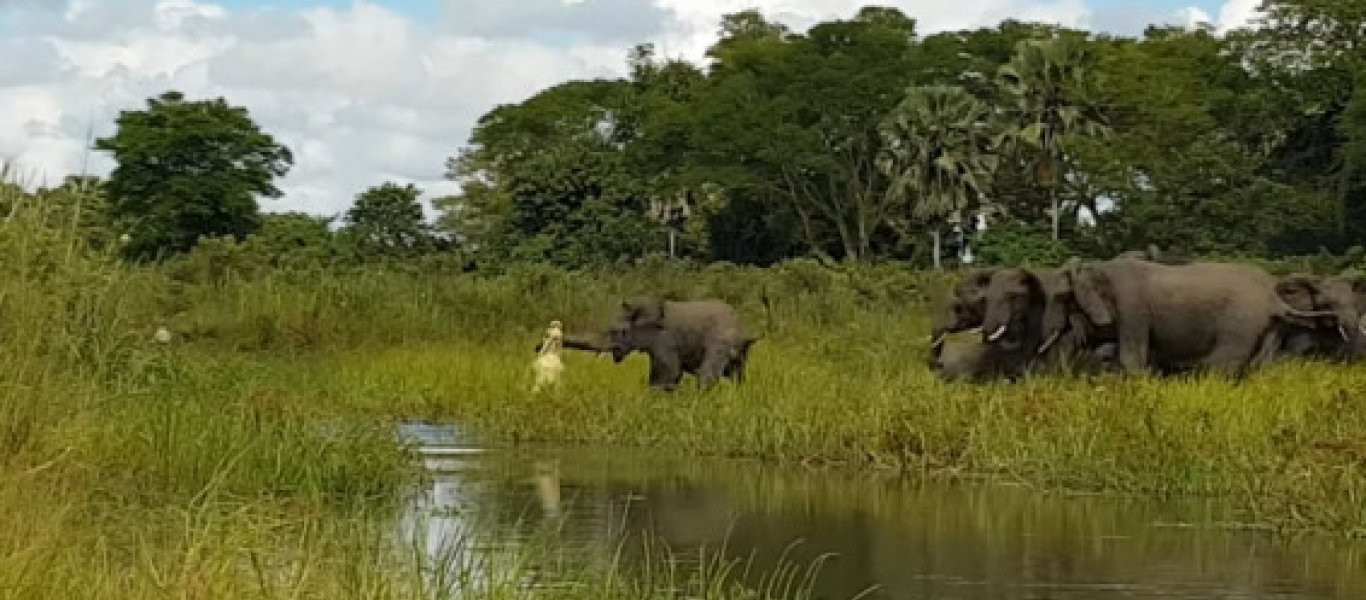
(255, 455)
(228, 464)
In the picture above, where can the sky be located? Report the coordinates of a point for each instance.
(369, 91)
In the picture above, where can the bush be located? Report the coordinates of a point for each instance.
(1016, 244)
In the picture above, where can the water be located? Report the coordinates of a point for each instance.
(890, 537)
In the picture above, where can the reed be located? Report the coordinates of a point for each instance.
(132, 468)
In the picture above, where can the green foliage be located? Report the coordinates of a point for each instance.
(772, 151)
(295, 240)
(386, 222)
(1011, 243)
(1049, 87)
(187, 169)
(939, 148)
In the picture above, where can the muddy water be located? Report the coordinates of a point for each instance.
(881, 536)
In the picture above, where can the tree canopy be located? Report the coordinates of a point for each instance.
(187, 169)
(857, 139)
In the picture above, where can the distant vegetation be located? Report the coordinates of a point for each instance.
(857, 140)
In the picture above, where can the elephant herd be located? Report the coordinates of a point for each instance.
(1140, 312)
(1143, 312)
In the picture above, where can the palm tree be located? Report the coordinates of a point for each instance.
(1046, 85)
(939, 147)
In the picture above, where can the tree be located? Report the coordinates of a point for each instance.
(552, 179)
(939, 149)
(294, 240)
(187, 169)
(794, 118)
(1310, 55)
(1048, 83)
(386, 221)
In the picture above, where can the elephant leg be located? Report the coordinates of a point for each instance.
(1231, 357)
(713, 366)
(1133, 346)
(665, 372)
(735, 369)
(1268, 348)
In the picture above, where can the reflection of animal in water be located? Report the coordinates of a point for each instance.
(548, 364)
(548, 487)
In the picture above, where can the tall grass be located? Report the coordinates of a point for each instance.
(133, 469)
(839, 379)
(255, 455)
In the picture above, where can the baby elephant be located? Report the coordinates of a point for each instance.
(975, 362)
(704, 338)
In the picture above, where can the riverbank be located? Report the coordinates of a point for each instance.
(255, 453)
(222, 463)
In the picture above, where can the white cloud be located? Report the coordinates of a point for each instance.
(1237, 13)
(362, 94)
(1232, 15)
(1193, 16)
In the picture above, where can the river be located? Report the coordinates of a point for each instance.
(881, 536)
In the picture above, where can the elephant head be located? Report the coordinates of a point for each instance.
(966, 308)
(636, 327)
(1343, 297)
(1015, 305)
(1092, 292)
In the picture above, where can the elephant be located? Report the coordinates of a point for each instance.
(1202, 315)
(1341, 338)
(1153, 254)
(1032, 312)
(704, 338)
(966, 307)
(973, 361)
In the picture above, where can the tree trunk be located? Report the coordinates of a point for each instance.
(934, 235)
(1057, 213)
(671, 243)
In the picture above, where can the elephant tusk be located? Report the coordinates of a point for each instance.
(1049, 342)
(996, 335)
(977, 329)
(938, 340)
(1343, 332)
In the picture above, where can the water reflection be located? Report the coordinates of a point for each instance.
(903, 539)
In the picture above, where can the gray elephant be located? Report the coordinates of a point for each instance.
(1342, 337)
(1153, 254)
(704, 338)
(1203, 315)
(973, 361)
(965, 309)
(1033, 313)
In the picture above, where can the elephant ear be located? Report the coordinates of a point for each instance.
(1093, 293)
(646, 311)
(1358, 283)
(1299, 291)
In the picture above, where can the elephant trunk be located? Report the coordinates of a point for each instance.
(580, 343)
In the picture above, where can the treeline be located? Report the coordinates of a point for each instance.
(861, 140)
(858, 140)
